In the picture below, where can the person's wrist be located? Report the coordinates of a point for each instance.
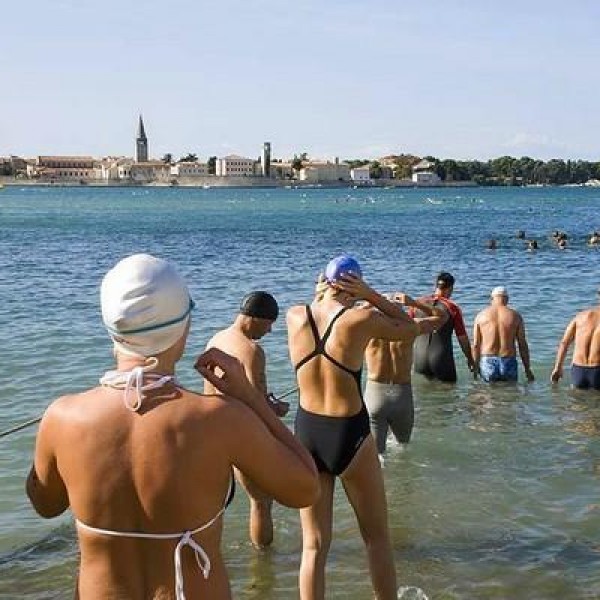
(372, 296)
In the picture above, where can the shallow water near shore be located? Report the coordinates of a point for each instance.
(497, 495)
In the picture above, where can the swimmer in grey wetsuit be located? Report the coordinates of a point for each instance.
(388, 392)
(584, 330)
(497, 331)
(433, 353)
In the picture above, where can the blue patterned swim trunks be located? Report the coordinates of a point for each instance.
(498, 368)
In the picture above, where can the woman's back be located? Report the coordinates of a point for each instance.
(164, 470)
(326, 347)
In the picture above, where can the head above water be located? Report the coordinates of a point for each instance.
(146, 305)
(340, 266)
(260, 305)
(499, 290)
(444, 281)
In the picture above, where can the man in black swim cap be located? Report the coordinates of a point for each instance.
(260, 305)
(258, 312)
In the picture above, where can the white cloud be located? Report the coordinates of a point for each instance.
(539, 145)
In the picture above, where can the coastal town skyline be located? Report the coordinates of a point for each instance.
(457, 79)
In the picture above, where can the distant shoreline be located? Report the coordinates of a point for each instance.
(234, 182)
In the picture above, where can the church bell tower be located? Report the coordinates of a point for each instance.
(141, 143)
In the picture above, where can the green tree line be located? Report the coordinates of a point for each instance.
(508, 170)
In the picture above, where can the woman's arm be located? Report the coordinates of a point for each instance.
(274, 461)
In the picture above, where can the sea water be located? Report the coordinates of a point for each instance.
(498, 494)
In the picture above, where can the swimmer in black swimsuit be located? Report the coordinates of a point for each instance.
(332, 441)
(332, 421)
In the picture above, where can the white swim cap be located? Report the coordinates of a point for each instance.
(145, 305)
(499, 290)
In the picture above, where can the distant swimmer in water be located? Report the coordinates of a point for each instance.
(559, 236)
(492, 244)
(258, 312)
(594, 239)
(497, 331)
(520, 235)
(584, 330)
(327, 340)
(388, 393)
(532, 245)
(433, 354)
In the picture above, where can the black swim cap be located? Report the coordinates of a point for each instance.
(445, 280)
(260, 305)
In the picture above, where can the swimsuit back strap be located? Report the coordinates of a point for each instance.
(330, 326)
(319, 341)
(313, 326)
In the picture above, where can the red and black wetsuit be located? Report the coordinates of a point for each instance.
(433, 353)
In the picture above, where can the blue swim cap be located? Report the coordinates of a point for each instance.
(340, 266)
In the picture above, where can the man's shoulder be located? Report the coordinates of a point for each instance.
(297, 311)
(588, 314)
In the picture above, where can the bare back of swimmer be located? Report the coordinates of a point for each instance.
(156, 461)
(388, 391)
(584, 332)
(326, 342)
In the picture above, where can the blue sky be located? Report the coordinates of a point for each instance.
(455, 79)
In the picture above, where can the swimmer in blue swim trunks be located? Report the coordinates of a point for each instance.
(584, 330)
(327, 340)
(497, 332)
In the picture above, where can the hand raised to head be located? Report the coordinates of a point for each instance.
(355, 286)
(224, 371)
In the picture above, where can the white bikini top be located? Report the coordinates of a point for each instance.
(140, 379)
(185, 539)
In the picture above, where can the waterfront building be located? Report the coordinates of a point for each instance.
(281, 169)
(324, 172)
(108, 169)
(148, 172)
(65, 168)
(361, 174)
(423, 174)
(189, 169)
(12, 165)
(235, 166)
(141, 143)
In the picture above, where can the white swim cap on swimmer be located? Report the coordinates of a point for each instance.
(145, 305)
(499, 290)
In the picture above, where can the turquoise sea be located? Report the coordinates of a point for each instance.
(497, 496)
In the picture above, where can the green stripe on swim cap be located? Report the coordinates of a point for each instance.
(154, 327)
(260, 305)
(145, 304)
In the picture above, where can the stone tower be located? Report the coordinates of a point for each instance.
(266, 159)
(141, 144)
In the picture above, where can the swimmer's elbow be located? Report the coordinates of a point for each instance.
(303, 492)
(310, 494)
(47, 503)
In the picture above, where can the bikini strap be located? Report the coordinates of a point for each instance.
(185, 539)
